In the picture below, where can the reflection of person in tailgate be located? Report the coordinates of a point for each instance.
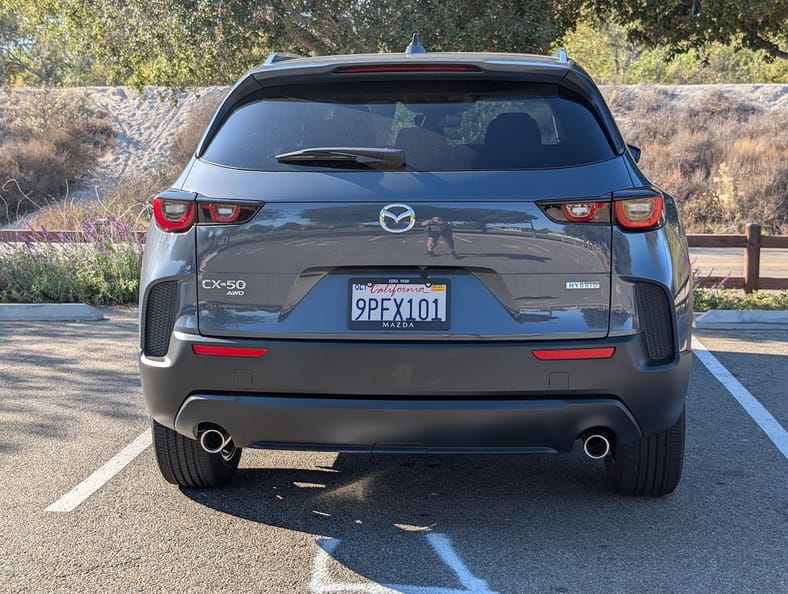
(437, 228)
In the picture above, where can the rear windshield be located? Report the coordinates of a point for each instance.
(440, 125)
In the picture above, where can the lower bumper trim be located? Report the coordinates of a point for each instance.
(434, 426)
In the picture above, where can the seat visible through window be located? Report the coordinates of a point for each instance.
(424, 148)
(512, 140)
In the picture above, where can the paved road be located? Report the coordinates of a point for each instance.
(304, 522)
(721, 262)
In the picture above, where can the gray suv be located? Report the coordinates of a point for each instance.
(418, 252)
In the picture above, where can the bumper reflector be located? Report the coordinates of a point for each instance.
(220, 351)
(574, 354)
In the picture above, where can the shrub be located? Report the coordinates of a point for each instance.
(725, 160)
(718, 296)
(48, 140)
(602, 48)
(103, 271)
(128, 201)
(721, 298)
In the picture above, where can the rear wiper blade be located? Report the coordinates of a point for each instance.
(379, 158)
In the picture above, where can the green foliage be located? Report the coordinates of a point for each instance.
(201, 42)
(683, 25)
(707, 299)
(36, 51)
(181, 43)
(528, 26)
(610, 58)
(720, 297)
(103, 272)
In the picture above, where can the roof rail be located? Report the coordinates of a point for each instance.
(279, 57)
(560, 53)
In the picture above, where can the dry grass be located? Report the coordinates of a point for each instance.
(47, 142)
(189, 136)
(725, 161)
(128, 202)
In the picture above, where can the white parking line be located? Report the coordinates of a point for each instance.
(322, 581)
(749, 403)
(98, 479)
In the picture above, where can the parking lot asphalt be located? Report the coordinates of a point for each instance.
(70, 400)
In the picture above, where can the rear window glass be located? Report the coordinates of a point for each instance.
(441, 125)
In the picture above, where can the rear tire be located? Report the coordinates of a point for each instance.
(183, 462)
(650, 466)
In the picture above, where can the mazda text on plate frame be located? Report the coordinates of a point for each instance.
(417, 252)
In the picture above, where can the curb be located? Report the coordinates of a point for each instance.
(49, 312)
(731, 319)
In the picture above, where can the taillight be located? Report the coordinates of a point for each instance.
(226, 213)
(223, 213)
(581, 212)
(585, 211)
(641, 213)
(574, 354)
(640, 209)
(173, 216)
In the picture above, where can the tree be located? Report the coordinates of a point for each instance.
(34, 50)
(181, 43)
(681, 25)
(529, 26)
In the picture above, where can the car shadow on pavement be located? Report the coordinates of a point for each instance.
(378, 509)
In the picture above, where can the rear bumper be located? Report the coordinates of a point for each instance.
(353, 396)
(436, 426)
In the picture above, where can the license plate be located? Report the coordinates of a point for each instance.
(399, 304)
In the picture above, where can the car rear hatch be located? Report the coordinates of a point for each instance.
(513, 272)
(432, 208)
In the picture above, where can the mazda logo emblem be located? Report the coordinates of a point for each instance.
(393, 216)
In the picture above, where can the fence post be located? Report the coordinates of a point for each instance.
(752, 257)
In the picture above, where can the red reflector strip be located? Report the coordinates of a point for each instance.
(220, 351)
(408, 68)
(573, 354)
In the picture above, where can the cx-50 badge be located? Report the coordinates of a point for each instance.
(233, 287)
(397, 218)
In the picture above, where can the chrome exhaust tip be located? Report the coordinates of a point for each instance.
(214, 441)
(596, 446)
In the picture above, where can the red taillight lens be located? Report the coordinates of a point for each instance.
(226, 213)
(640, 214)
(574, 354)
(585, 211)
(173, 216)
(581, 212)
(221, 351)
(408, 68)
(223, 213)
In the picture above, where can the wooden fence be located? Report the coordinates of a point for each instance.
(751, 242)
